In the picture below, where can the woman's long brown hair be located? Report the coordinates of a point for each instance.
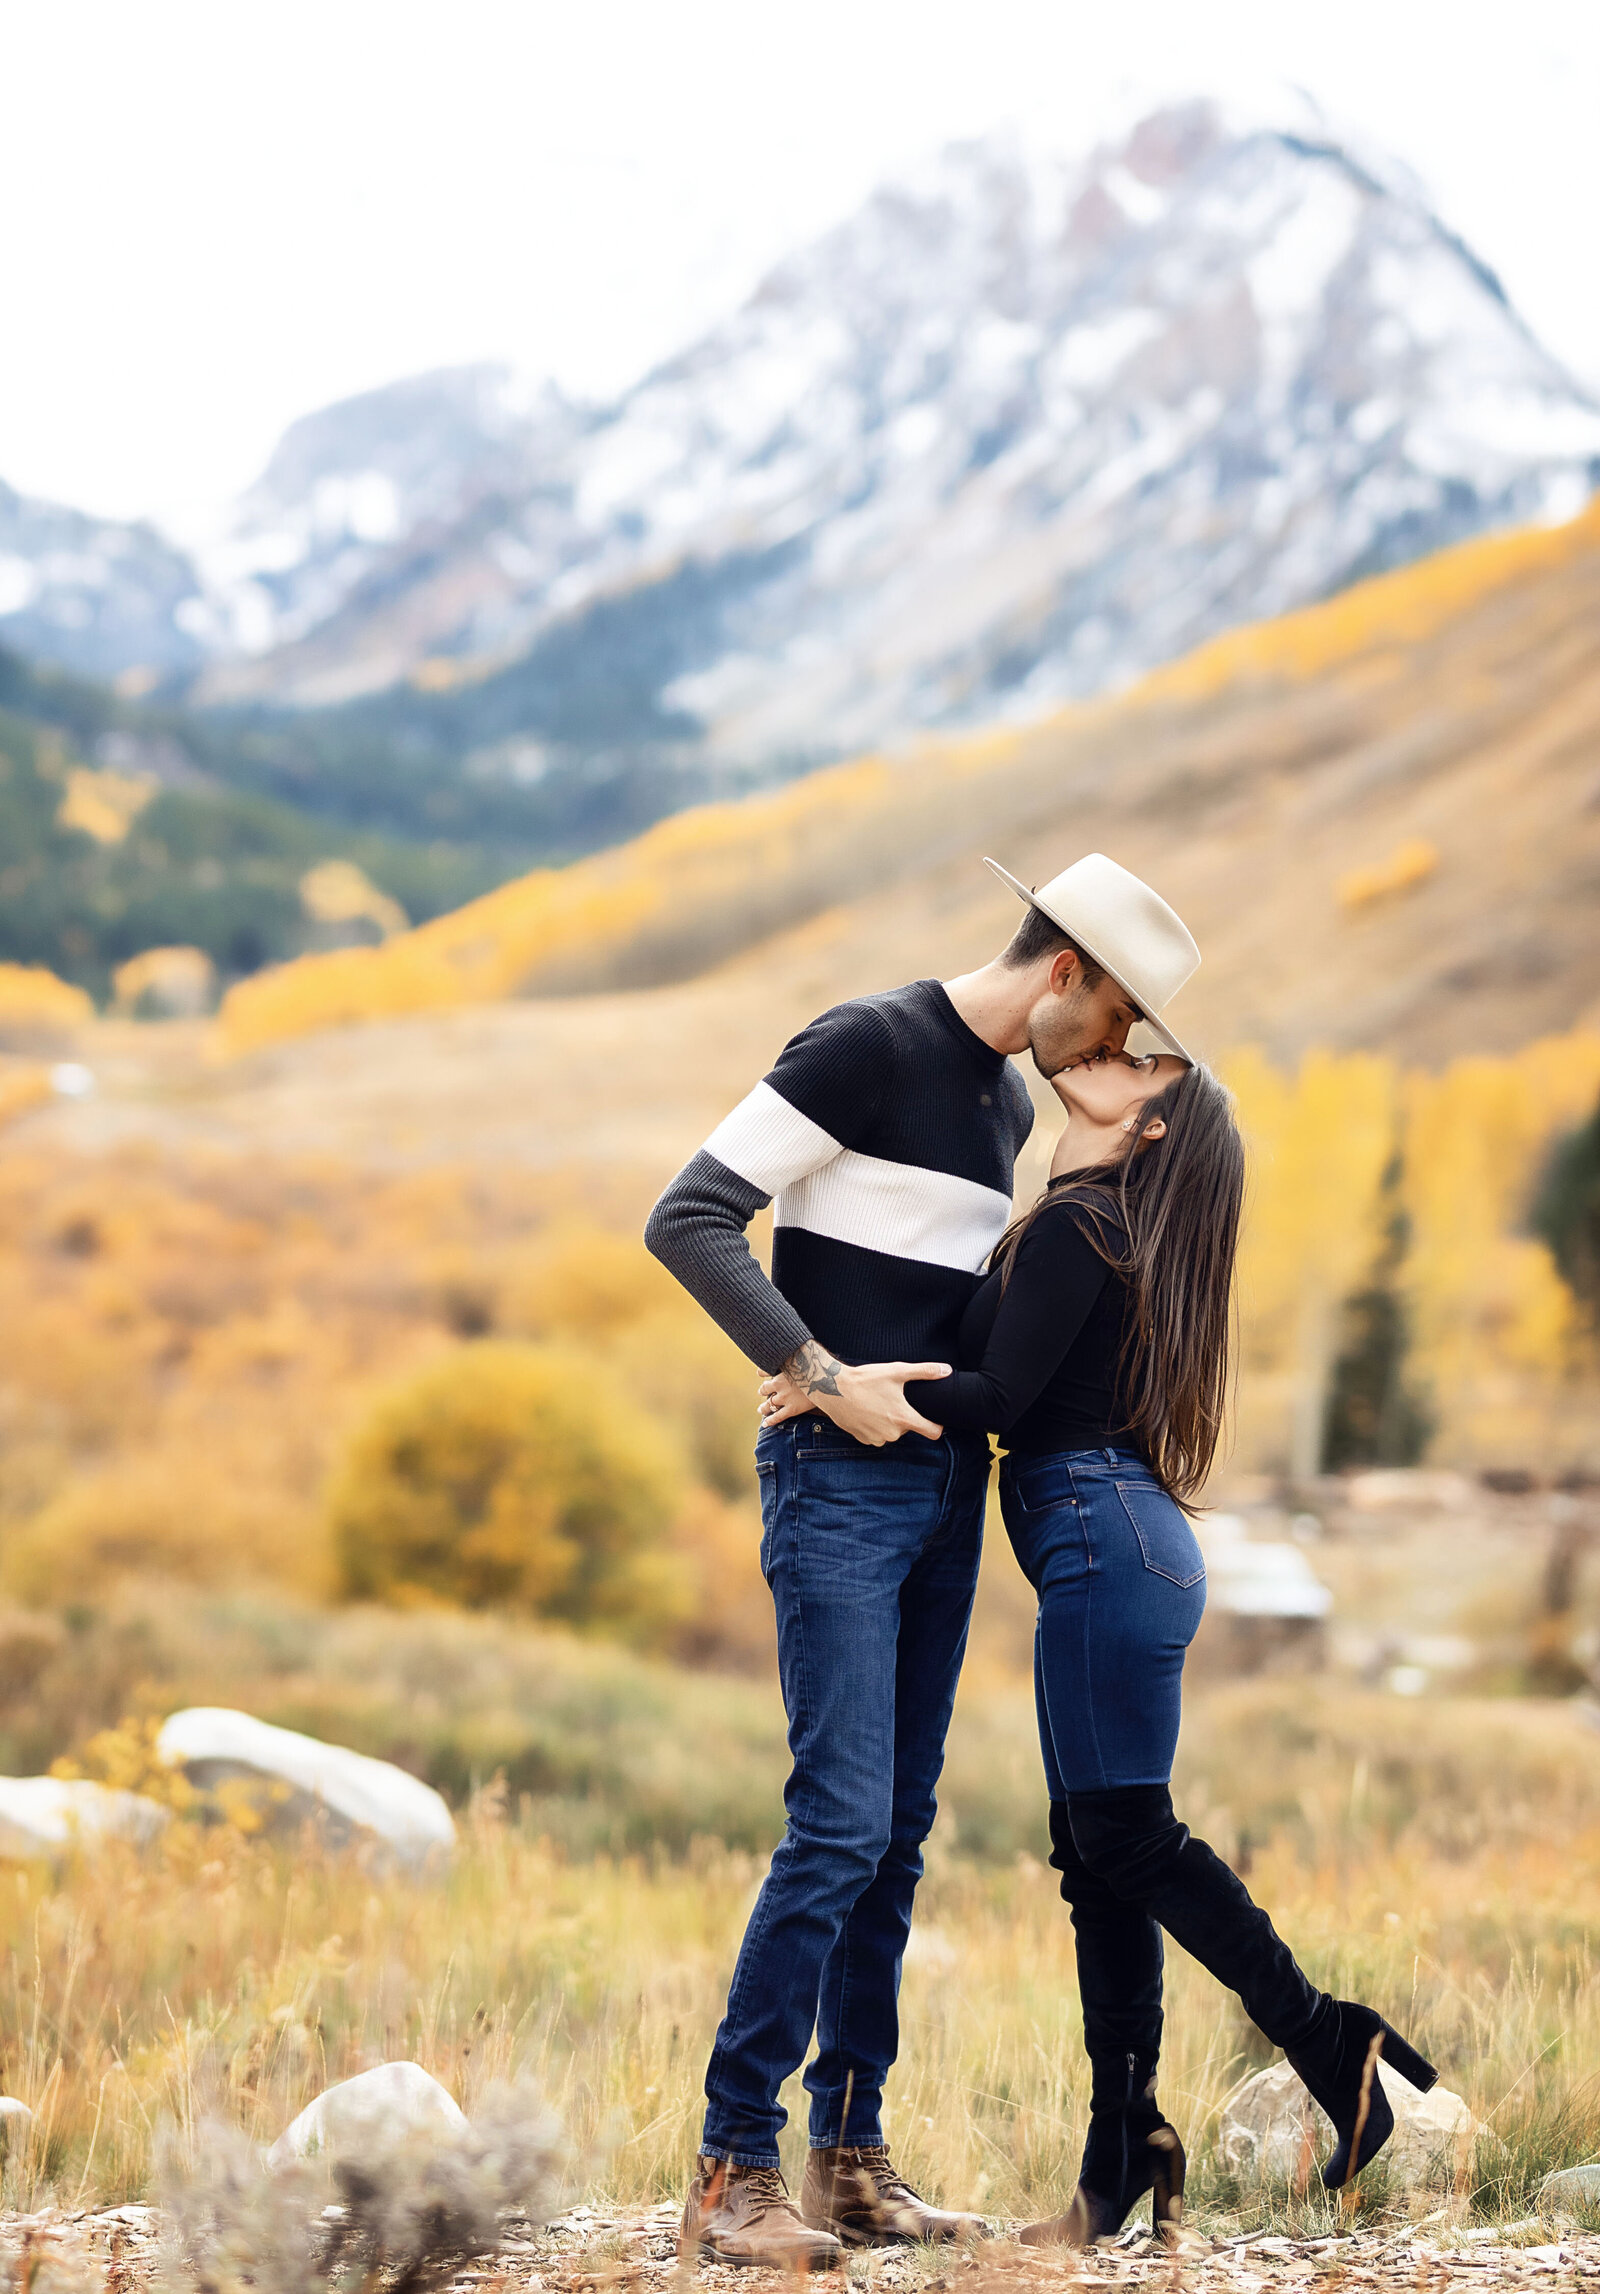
(1177, 1202)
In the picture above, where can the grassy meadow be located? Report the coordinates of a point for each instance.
(227, 1972)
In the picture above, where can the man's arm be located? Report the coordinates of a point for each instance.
(827, 1085)
(697, 1231)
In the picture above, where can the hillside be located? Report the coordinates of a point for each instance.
(120, 832)
(1448, 714)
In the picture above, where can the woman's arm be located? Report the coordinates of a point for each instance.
(1056, 1276)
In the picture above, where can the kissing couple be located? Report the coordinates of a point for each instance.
(909, 1316)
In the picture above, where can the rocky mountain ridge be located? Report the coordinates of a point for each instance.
(1012, 433)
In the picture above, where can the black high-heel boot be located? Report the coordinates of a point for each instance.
(1339, 2064)
(1132, 1840)
(1130, 2149)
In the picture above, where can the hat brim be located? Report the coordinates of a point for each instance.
(1152, 1020)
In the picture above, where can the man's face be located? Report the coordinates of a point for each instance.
(1073, 1022)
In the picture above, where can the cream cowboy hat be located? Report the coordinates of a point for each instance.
(1128, 930)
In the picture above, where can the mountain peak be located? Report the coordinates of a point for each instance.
(1019, 428)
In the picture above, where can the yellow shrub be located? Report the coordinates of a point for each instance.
(587, 1284)
(605, 1291)
(164, 1515)
(1409, 865)
(125, 1757)
(515, 1475)
(22, 1088)
(32, 997)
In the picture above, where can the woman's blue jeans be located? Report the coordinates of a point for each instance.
(872, 1558)
(1121, 1583)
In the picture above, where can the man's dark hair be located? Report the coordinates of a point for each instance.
(1040, 935)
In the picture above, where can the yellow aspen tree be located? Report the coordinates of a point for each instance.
(1496, 1332)
(1319, 1142)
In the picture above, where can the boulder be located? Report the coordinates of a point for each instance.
(15, 2120)
(1264, 2126)
(1571, 2190)
(391, 2105)
(51, 1815)
(295, 1780)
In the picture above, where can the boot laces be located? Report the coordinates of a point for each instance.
(766, 2189)
(873, 2159)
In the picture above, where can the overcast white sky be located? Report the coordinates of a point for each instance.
(219, 213)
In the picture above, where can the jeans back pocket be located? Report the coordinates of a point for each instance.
(1167, 1542)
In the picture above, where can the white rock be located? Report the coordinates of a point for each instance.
(48, 1815)
(391, 2104)
(15, 2120)
(213, 1745)
(1570, 2190)
(1264, 2127)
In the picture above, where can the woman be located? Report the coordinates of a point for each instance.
(1099, 1342)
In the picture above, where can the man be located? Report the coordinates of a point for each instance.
(887, 1132)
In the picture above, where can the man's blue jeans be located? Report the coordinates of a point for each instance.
(872, 1557)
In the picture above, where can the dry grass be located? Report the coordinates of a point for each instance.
(232, 1977)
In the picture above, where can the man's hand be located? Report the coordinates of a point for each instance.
(868, 1402)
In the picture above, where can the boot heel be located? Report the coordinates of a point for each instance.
(1401, 2056)
(1166, 2192)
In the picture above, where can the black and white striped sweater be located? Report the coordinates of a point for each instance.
(885, 1138)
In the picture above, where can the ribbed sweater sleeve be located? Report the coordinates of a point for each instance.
(822, 1095)
(1056, 1276)
(697, 1231)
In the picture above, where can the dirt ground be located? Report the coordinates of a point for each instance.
(590, 2250)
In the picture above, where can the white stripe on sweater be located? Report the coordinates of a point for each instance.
(768, 1143)
(898, 1208)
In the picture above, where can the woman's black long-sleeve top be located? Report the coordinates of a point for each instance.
(1043, 1350)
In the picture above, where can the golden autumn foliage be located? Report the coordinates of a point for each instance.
(1498, 1343)
(104, 805)
(1410, 864)
(1496, 1332)
(194, 1348)
(1319, 1141)
(32, 997)
(1392, 610)
(189, 1350)
(507, 1476)
(177, 981)
(23, 1084)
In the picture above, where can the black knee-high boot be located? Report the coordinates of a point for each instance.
(1131, 1839)
(1130, 2149)
(1119, 1972)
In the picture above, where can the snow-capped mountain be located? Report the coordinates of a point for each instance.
(416, 464)
(1013, 432)
(102, 597)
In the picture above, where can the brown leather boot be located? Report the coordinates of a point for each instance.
(860, 2196)
(744, 2215)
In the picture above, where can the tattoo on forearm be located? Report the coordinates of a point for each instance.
(814, 1369)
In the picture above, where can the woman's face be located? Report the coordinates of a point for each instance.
(1107, 1092)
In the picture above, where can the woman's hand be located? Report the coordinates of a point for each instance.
(868, 1402)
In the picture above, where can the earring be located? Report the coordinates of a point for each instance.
(1128, 1126)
